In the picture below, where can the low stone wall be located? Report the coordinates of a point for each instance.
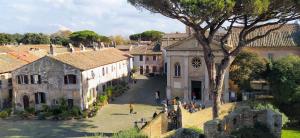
(156, 127)
(243, 117)
(198, 119)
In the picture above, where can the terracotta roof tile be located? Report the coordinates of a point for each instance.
(145, 50)
(92, 59)
(287, 36)
(13, 60)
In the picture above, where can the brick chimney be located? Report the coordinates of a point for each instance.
(82, 47)
(71, 48)
(51, 52)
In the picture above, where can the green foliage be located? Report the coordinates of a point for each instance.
(284, 79)
(109, 92)
(102, 99)
(75, 111)
(261, 106)
(151, 35)
(87, 37)
(258, 131)
(6, 39)
(290, 133)
(246, 67)
(4, 114)
(134, 69)
(30, 110)
(58, 40)
(131, 133)
(35, 38)
(193, 130)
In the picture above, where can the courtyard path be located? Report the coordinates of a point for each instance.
(110, 119)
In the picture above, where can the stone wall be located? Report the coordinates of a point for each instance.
(198, 119)
(157, 127)
(243, 117)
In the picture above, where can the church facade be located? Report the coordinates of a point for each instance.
(187, 76)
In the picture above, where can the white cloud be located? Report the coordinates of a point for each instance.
(107, 17)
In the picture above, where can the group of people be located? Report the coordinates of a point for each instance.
(193, 107)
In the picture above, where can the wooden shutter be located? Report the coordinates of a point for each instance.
(39, 79)
(32, 79)
(26, 79)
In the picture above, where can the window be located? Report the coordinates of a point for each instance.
(10, 94)
(35, 79)
(166, 67)
(22, 79)
(103, 88)
(70, 79)
(0, 84)
(141, 58)
(154, 58)
(270, 56)
(40, 97)
(103, 72)
(93, 74)
(196, 62)
(10, 82)
(177, 70)
(147, 58)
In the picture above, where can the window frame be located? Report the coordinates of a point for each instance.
(67, 79)
(177, 70)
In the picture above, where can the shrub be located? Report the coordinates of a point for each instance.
(260, 106)
(41, 115)
(64, 115)
(196, 130)
(30, 110)
(3, 114)
(75, 111)
(131, 133)
(45, 108)
(102, 99)
(8, 110)
(258, 131)
(56, 111)
(109, 92)
(85, 114)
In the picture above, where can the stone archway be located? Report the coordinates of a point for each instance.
(26, 101)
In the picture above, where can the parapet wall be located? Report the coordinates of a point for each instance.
(243, 117)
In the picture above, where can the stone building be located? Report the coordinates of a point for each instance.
(280, 43)
(148, 59)
(77, 76)
(185, 66)
(187, 76)
(9, 61)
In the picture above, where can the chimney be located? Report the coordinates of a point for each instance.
(71, 48)
(52, 52)
(102, 45)
(82, 47)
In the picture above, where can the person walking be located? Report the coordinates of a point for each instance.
(157, 97)
(130, 108)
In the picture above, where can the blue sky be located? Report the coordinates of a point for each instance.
(106, 17)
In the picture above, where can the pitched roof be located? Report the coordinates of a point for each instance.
(175, 35)
(286, 36)
(13, 60)
(190, 44)
(91, 59)
(124, 47)
(145, 50)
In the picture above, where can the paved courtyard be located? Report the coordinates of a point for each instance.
(110, 119)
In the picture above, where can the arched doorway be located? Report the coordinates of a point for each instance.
(26, 101)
